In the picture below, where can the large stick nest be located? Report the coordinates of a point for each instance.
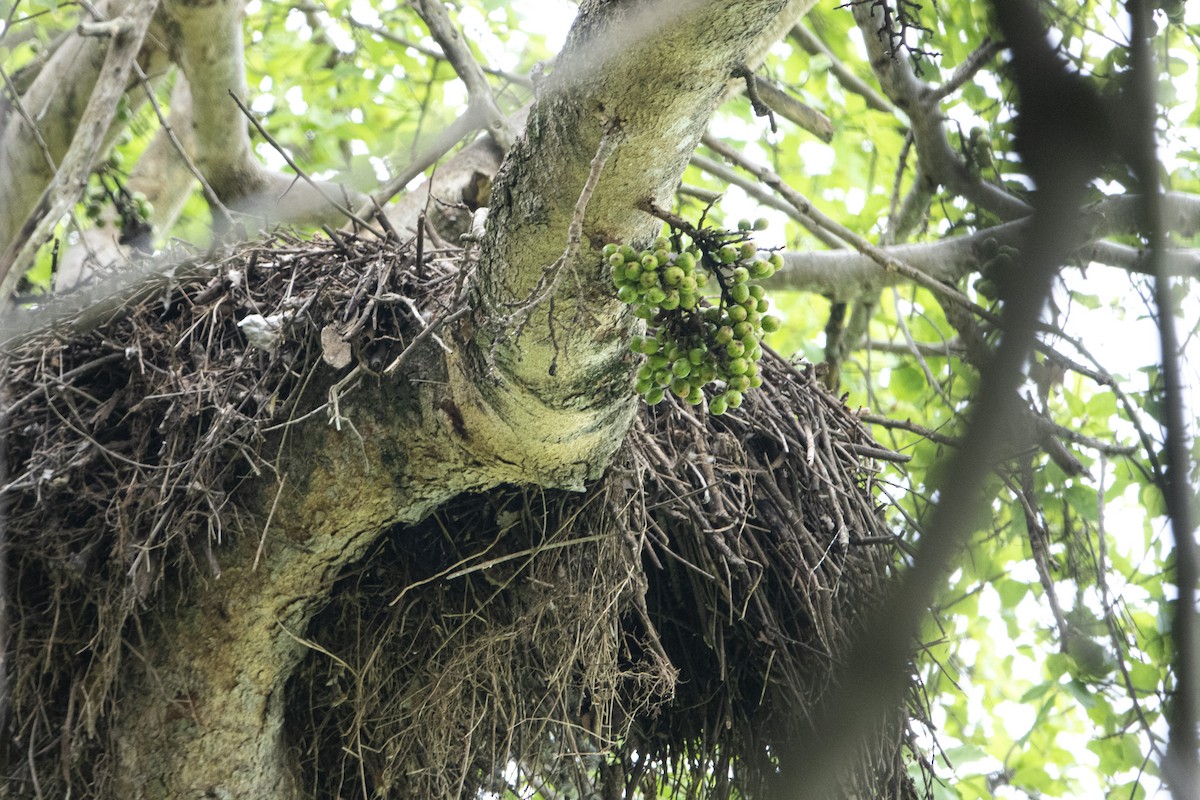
(673, 626)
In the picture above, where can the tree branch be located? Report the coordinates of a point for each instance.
(479, 93)
(845, 274)
(920, 102)
(210, 51)
(64, 190)
(1182, 768)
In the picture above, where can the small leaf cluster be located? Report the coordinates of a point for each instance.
(705, 319)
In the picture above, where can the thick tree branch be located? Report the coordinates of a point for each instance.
(479, 93)
(570, 360)
(68, 182)
(209, 48)
(845, 274)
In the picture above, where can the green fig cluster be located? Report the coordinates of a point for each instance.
(705, 319)
(1000, 259)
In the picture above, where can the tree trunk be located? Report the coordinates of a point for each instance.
(538, 395)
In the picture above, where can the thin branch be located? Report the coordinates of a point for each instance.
(214, 202)
(385, 34)
(788, 107)
(754, 190)
(445, 141)
(1182, 769)
(301, 174)
(974, 62)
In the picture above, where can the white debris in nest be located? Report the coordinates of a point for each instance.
(265, 333)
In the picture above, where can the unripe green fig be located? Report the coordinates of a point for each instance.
(748, 250)
(627, 294)
(616, 261)
(728, 254)
(733, 398)
(741, 275)
(771, 323)
(987, 288)
(654, 396)
(695, 397)
(672, 276)
(761, 224)
(740, 293)
(736, 348)
(681, 387)
(744, 225)
(738, 366)
(610, 250)
(649, 262)
(681, 368)
(736, 313)
(718, 405)
(738, 383)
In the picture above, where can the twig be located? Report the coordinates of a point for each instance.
(425, 333)
(552, 275)
(262, 541)
(442, 144)
(214, 202)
